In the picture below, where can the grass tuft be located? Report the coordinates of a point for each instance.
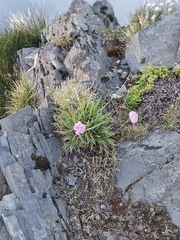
(21, 95)
(24, 31)
(77, 104)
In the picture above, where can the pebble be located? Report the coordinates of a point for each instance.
(103, 207)
(72, 180)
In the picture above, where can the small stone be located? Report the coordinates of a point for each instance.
(98, 217)
(64, 165)
(75, 159)
(81, 164)
(78, 184)
(103, 207)
(72, 180)
(61, 183)
(124, 75)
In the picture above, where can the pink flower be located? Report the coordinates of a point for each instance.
(79, 128)
(168, 1)
(133, 117)
(156, 9)
(153, 5)
(161, 4)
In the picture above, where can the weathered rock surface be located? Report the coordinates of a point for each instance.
(28, 212)
(85, 59)
(157, 44)
(150, 170)
(29, 152)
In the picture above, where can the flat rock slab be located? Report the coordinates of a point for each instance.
(157, 44)
(150, 170)
(19, 121)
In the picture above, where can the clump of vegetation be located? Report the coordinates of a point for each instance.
(145, 84)
(176, 70)
(111, 34)
(21, 95)
(23, 31)
(65, 41)
(80, 119)
(171, 116)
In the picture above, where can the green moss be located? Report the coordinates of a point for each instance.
(145, 84)
(176, 70)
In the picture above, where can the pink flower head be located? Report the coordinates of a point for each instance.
(133, 117)
(153, 5)
(161, 4)
(79, 128)
(168, 1)
(156, 9)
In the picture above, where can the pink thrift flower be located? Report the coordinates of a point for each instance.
(168, 1)
(133, 117)
(79, 128)
(156, 9)
(161, 4)
(153, 5)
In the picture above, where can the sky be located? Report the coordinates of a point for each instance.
(122, 8)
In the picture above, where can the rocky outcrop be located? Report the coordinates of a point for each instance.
(28, 163)
(150, 170)
(84, 58)
(157, 44)
(30, 152)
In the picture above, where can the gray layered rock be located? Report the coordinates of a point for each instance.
(150, 170)
(29, 212)
(157, 44)
(85, 59)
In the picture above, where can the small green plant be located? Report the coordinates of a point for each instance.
(80, 119)
(145, 84)
(21, 95)
(65, 41)
(112, 34)
(176, 70)
(171, 116)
